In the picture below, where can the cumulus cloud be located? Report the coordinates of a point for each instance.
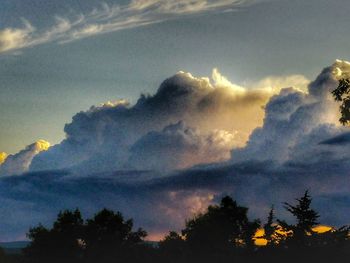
(299, 146)
(110, 18)
(219, 115)
(20, 162)
(179, 147)
(297, 121)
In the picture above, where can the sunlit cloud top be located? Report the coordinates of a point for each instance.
(3, 157)
(109, 18)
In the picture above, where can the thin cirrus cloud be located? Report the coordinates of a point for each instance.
(109, 18)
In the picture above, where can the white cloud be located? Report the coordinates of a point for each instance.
(19, 163)
(109, 18)
(218, 114)
(296, 122)
(15, 38)
(178, 147)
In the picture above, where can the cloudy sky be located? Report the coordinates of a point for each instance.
(158, 108)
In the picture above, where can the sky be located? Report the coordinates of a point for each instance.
(158, 108)
(44, 85)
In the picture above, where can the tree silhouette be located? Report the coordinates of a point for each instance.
(104, 238)
(61, 243)
(302, 232)
(220, 229)
(173, 247)
(223, 233)
(270, 229)
(109, 237)
(3, 258)
(342, 94)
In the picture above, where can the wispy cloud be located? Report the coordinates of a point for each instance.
(109, 18)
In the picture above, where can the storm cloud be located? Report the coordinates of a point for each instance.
(219, 115)
(150, 160)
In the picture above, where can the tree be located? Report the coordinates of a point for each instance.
(3, 258)
(172, 247)
(270, 229)
(62, 243)
(105, 238)
(342, 94)
(220, 229)
(109, 237)
(301, 233)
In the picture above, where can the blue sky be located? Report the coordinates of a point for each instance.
(44, 85)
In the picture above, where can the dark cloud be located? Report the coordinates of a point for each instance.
(340, 139)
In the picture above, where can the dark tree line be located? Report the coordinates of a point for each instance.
(223, 233)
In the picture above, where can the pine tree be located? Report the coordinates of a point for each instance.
(306, 217)
(270, 228)
(301, 233)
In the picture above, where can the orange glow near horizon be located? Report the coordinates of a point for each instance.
(260, 241)
(155, 237)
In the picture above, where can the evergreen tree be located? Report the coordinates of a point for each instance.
(270, 229)
(301, 233)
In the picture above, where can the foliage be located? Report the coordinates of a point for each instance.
(105, 237)
(300, 234)
(61, 243)
(221, 227)
(342, 94)
(109, 236)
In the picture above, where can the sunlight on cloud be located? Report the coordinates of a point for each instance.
(20, 162)
(181, 205)
(276, 83)
(42, 145)
(15, 38)
(221, 81)
(109, 18)
(3, 157)
(189, 120)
